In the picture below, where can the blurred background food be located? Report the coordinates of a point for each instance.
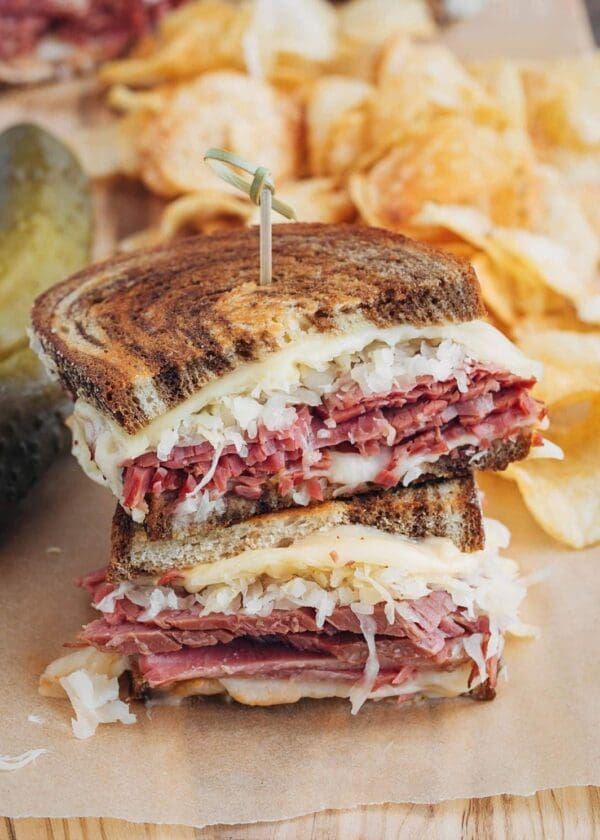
(45, 234)
(364, 116)
(497, 161)
(44, 39)
(47, 39)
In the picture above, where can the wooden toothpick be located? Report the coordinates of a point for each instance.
(266, 239)
(260, 190)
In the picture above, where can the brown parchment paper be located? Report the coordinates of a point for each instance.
(215, 762)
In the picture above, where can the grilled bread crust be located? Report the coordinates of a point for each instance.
(138, 334)
(439, 508)
(160, 524)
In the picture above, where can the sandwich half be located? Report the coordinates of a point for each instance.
(203, 397)
(390, 594)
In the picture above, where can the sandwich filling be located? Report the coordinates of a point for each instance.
(330, 419)
(54, 29)
(351, 612)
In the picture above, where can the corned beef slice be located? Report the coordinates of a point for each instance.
(244, 658)
(426, 419)
(184, 644)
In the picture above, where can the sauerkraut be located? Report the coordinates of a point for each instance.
(349, 566)
(224, 422)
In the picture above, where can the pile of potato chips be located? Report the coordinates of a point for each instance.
(362, 116)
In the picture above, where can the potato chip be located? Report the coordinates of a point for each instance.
(564, 496)
(581, 174)
(209, 12)
(366, 25)
(417, 82)
(225, 109)
(293, 74)
(331, 146)
(285, 34)
(374, 21)
(199, 212)
(564, 117)
(200, 37)
(416, 86)
(509, 295)
(504, 83)
(133, 101)
(541, 268)
(138, 108)
(563, 101)
(566, 320)
(574, 269)
(589, 199)
(452, 161)
(555, 266)
(571, 362)
(498, 291)
(277, 39)
(146, 238)
(314, 200)
(204, 208)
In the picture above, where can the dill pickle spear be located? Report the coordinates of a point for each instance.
(45, 223)
(45, 235)
(32, 427)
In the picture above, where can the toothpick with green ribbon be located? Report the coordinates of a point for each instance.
(260, 190)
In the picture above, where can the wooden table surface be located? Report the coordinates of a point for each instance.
(569, 813)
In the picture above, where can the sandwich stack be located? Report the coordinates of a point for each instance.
(296, 514)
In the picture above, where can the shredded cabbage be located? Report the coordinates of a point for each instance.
(198, 504)
(84, 658)
(95, 700)
(354, 566)
(90, 679)
(376, 369)
(473, 647)
(361, 690)
(15, 762)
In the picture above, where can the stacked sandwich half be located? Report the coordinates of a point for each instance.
(293, 465)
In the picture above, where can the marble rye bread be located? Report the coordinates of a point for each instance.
(435, 509)
(139, 333)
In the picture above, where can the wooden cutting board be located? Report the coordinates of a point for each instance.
(570, 813)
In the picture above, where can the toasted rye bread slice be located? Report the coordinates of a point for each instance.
(138, 334)
(440, 508)
(160, 524)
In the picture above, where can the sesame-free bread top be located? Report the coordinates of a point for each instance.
(138, 334)
(436, 509)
